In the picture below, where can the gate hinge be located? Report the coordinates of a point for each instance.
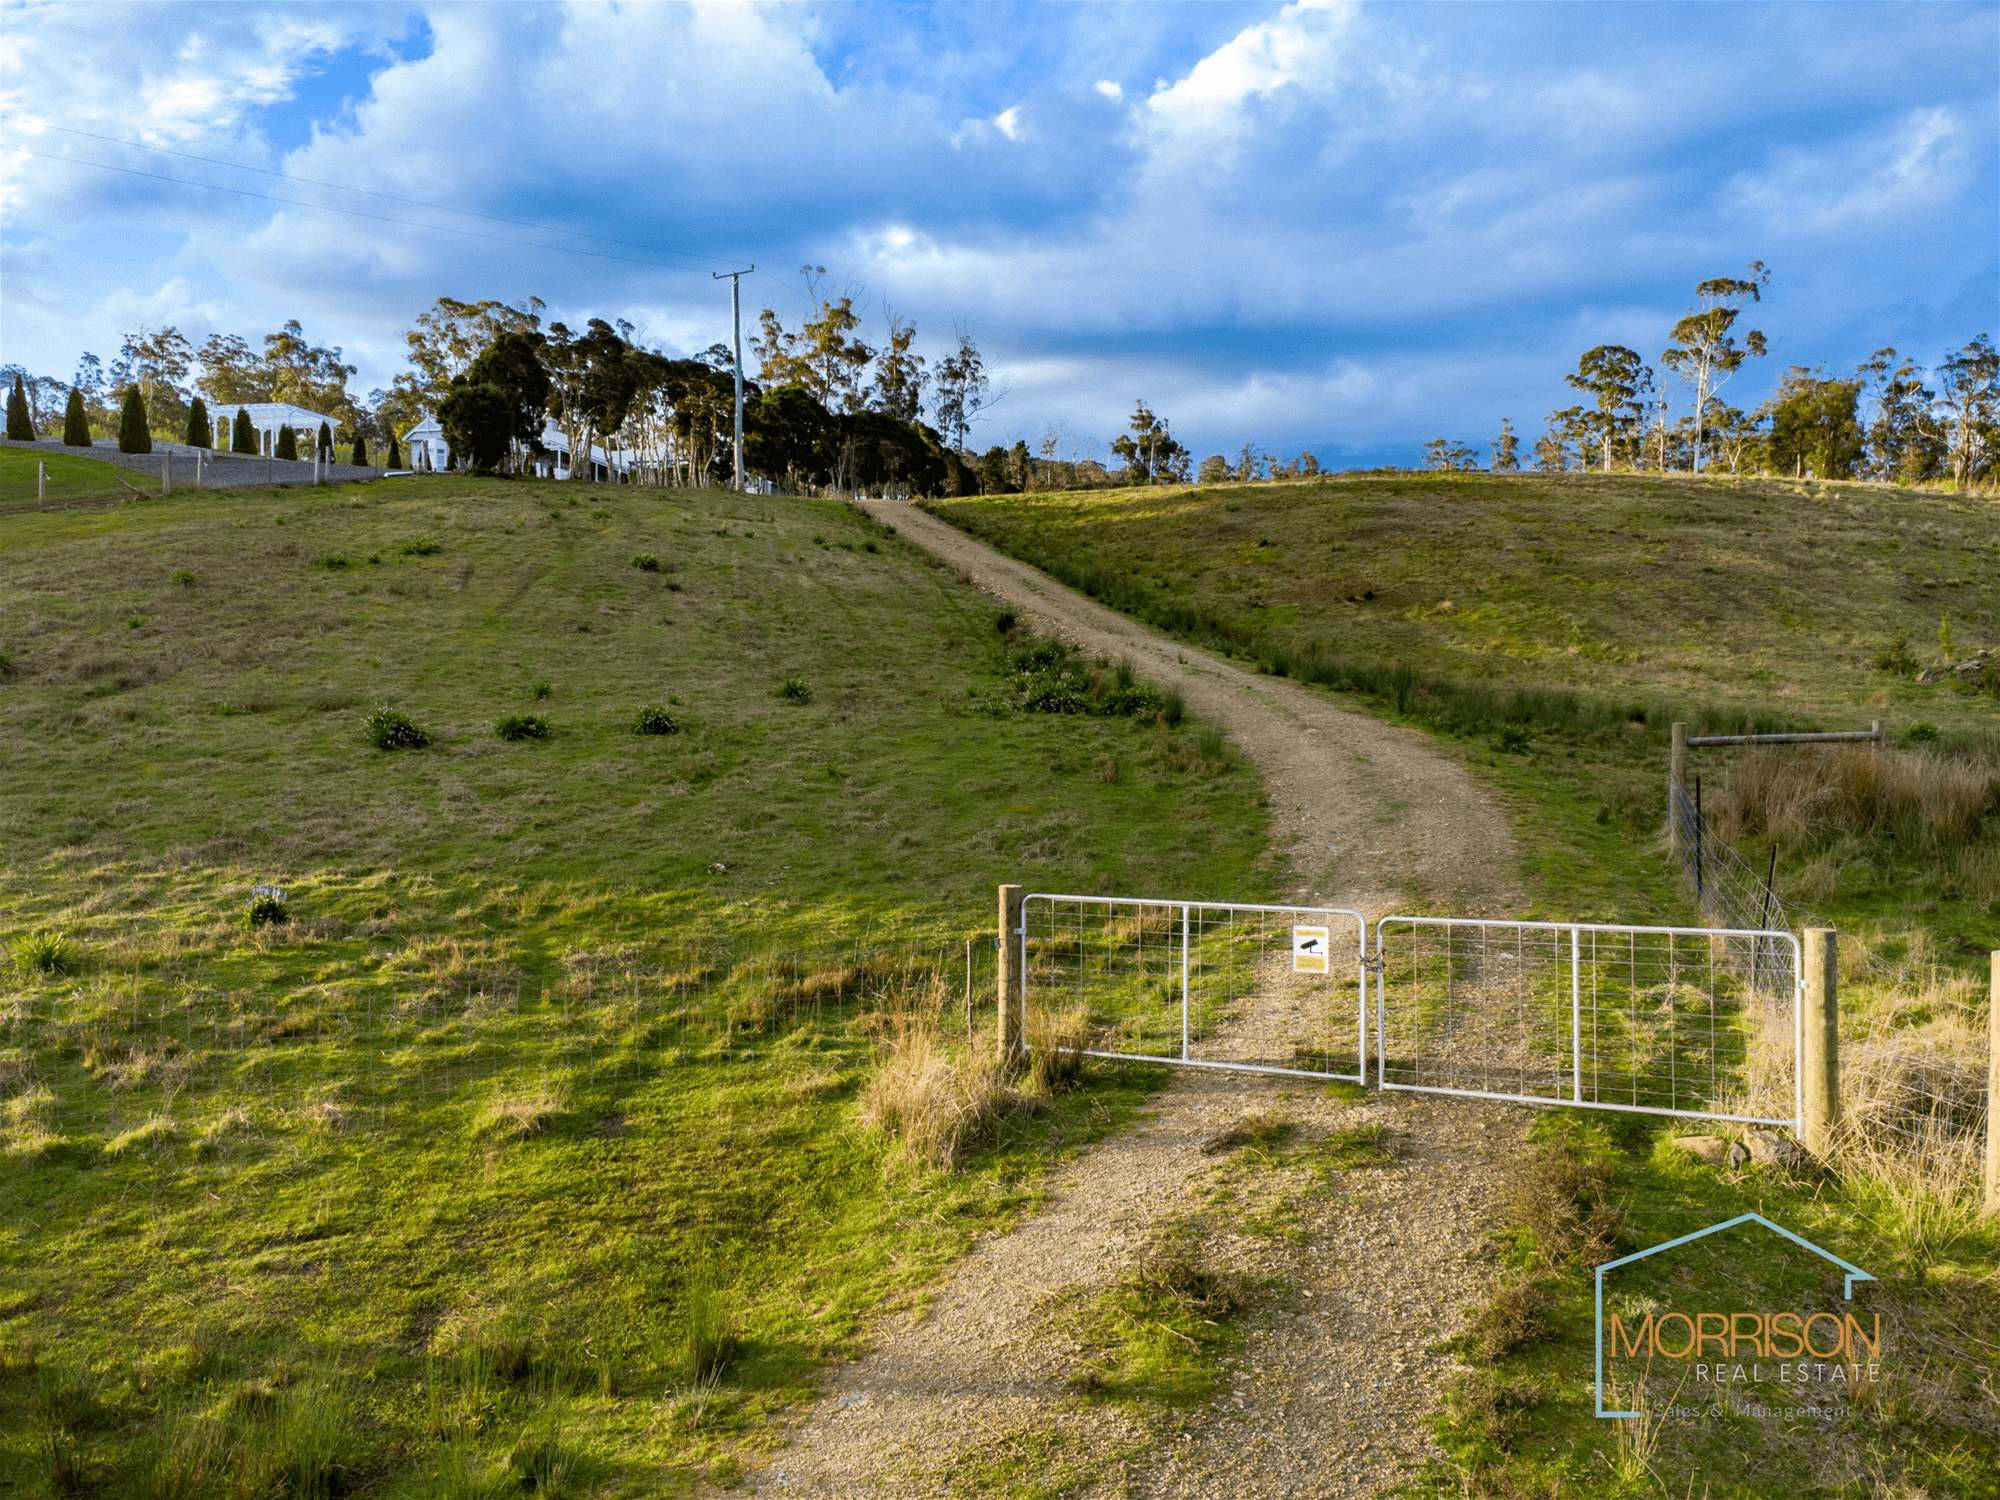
(1374, 963)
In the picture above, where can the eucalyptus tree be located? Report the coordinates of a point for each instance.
(961, 388)
(1969, 401)
(1704, 352)
(1904, 439)
(1620, 381)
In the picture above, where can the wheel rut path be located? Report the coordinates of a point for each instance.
(971, 1392)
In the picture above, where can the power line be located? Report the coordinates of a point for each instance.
(352, 213)
(237, 166)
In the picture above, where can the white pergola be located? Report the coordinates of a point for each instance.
(268, 416)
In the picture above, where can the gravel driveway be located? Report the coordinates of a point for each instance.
(1336, 1374)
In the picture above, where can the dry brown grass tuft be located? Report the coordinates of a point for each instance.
(513, 1117)
(1561, 1197)
(939, 1105)
(1797, 798)
(1515, 1312)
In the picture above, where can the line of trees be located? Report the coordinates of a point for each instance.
(829, 410)
(1891, 420)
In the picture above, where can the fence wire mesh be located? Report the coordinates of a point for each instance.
(1681, 1021)
(1261, 988)
(1910, 1102)
(441, 1035)
(1730, 892)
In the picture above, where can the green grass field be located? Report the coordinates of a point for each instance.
(470, 1175)
(1548, 629)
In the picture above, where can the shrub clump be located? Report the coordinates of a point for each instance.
(267, 906)
(794, 690)
(422, 546)
(522, 727)
(391, 729)
(653, 719)
(51, 953)
(1050, 678)
(645, 562)
(1515, 1312)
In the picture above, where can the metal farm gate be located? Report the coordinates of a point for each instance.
(1697, 1022)
(1267, 989)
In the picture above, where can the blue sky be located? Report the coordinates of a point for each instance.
(1340, 227)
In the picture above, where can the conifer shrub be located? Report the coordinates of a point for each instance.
(20, 425)
(325, 449)
(359, 457)
(200, 434)
(288, 443)
(243, 437)
(76, 422)
(395, 458)
(134, 436)
(390, 729)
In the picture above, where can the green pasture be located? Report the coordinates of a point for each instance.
(521, 1155)
(1549, 628)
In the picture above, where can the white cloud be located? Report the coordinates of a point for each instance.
(1330, 220)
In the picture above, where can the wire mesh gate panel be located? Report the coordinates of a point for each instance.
(1271, 989)
(1690, 1021)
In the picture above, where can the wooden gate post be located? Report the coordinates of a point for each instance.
(1677, 775)
(1993, 1091)
(1819, 1043)
(1012, 987)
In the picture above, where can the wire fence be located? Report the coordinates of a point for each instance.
(1914, 1098)
(439, 1034)
(46, 473)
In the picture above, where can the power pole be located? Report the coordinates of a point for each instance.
(736, 321)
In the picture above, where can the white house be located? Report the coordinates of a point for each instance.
(425, 448)
(266, 417)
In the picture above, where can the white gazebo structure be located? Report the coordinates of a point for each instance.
(267, 417)
(425, 448)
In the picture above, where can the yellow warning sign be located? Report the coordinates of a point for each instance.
(1309, 954)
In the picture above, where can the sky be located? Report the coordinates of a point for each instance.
(1347, 228)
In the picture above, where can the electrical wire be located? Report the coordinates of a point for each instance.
(237, 166)
(352, 213)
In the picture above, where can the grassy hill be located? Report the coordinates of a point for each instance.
(541, 1099)
(1550, 628)
(1547, 631)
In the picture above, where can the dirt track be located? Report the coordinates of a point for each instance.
(970, 1395)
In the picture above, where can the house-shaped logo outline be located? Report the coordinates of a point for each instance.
(1854, 1274)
